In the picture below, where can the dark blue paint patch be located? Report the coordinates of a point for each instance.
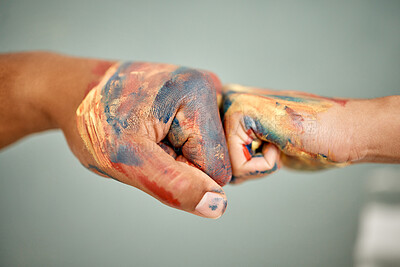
(323, 155)
(249, 149)
(213, 207)
(215, 203)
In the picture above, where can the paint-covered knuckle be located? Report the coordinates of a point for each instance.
(167, 101)
(199, 85)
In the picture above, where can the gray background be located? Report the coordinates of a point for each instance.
(56, 213)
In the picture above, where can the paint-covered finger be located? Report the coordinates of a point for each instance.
(173, 182)
(255, 165)
(197, 127)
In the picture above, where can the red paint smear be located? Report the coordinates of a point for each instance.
(341, 102)
(90, 86)
(157, 190)
(296, 118)
(101, 67)
(246, 153)
(119, 168)
(99, 70)
(249, 132)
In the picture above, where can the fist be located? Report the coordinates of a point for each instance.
(266, 129)
(157, 127)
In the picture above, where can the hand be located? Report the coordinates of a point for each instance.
(156, 127)
(266, 128)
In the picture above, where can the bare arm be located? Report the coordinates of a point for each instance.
(41, 91)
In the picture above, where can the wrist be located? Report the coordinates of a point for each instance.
(377, 127)
(21, 112)
(64, 83)
(41, 91)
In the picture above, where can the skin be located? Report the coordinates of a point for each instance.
(153, 126)
(266, 129)
(156, 126)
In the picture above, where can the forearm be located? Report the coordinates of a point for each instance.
(41, 91)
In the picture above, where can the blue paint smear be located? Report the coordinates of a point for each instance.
(126, 155)
(164, 105)
(323, 155)
(289, 98)
(259, 129)
(92, 167)
(116, 83)
(174, 90)
(227, 102)
(256, 173)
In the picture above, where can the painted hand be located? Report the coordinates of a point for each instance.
(157, 127)
(266, 128)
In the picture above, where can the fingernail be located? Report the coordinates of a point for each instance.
(212, 205)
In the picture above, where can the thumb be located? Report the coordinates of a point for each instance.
(173, 182)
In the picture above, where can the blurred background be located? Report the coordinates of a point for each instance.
(56, 213)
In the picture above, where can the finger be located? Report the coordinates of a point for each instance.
(197, 127)
(246, 164)
(173, 182)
